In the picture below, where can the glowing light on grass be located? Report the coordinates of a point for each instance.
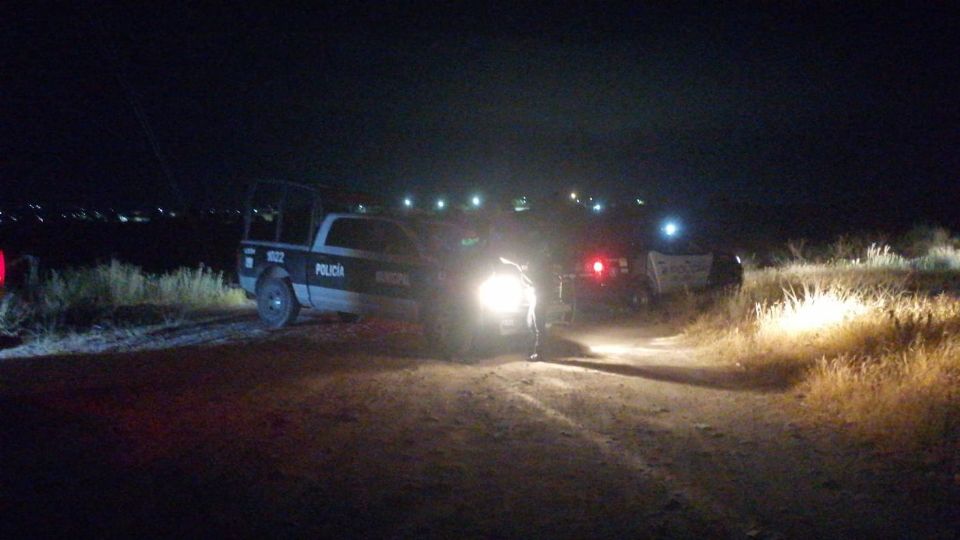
(611, 349)
(814, 311)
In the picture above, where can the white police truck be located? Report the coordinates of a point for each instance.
(303, 248)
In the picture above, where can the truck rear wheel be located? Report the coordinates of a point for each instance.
(640, 298)
(277, 305)
(349, 317)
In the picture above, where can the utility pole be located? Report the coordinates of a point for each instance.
(110, 51)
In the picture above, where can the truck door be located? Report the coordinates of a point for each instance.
(365, 265)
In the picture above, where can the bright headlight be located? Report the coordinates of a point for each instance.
(501, 293)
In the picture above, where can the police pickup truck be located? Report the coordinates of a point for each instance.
(638, 281)
(647, 267)
(297, 253)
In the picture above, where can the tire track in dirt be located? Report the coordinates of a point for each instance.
(688, 496)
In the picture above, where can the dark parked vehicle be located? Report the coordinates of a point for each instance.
(640, 278)
(629, 259)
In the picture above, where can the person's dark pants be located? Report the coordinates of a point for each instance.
(537, 323)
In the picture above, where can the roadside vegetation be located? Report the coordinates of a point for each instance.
(113, 295)
(866, 332)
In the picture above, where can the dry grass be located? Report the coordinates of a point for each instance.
(13, 314)
(114, 294)
(873, 341)
(117, 284)
(905, 397)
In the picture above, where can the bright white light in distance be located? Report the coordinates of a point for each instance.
(597, 207)
(501, 293)
(573, 195)
(670, 228)
(441, 204)
(407, 202)
(475, 200)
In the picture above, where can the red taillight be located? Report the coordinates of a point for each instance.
(598, 266)
(3, 268)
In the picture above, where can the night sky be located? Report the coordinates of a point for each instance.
(827, 104)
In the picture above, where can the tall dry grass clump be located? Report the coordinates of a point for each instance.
(874, 341)
(117, 284)
(13, 315)
(113, 294)
(909, 396)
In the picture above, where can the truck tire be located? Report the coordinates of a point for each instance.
(449, 330)
(349, 317)
(277, 305)
(640, 298)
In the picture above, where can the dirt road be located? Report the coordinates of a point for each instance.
(333, 430)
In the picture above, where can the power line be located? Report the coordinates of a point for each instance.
(109, 50)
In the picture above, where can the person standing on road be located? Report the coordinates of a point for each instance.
(539, 270)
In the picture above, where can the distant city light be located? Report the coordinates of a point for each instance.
(573, 195)
(670, 228)
(521, 204)
(640, 202)
(407, 202)
(475, 201)
(597, 207)
(441, 204)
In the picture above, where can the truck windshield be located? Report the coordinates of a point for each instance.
(443, 239)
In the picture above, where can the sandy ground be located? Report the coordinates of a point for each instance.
(335, 430)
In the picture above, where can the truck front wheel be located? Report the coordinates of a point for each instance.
(277, 305)
(449, 330)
